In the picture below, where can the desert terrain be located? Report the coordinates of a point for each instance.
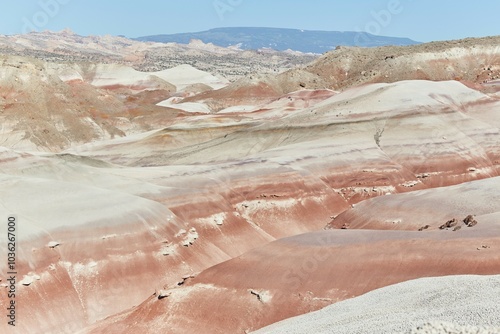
(167, 188)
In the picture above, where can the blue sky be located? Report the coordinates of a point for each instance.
(421, 20)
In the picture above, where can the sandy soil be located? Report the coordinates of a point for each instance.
(451, 304)
(213, 209)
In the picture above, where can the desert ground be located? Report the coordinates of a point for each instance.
(164, 188)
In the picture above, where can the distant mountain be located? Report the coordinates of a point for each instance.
(281, 39)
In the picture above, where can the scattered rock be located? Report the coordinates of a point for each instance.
(53, 244)
(262, 296)
(470, 221)
(188, 276)
(26, 281)
(448, 224)
(218, 219)
(410, 184)
(471, 169)
(424, 227)
(185, 278)
(163, 293)
(345, 226)
(190, 238)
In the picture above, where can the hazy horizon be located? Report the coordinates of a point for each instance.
(422, 21)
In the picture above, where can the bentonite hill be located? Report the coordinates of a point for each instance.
(167, 188)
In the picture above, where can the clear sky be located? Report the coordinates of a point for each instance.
(421, 20)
